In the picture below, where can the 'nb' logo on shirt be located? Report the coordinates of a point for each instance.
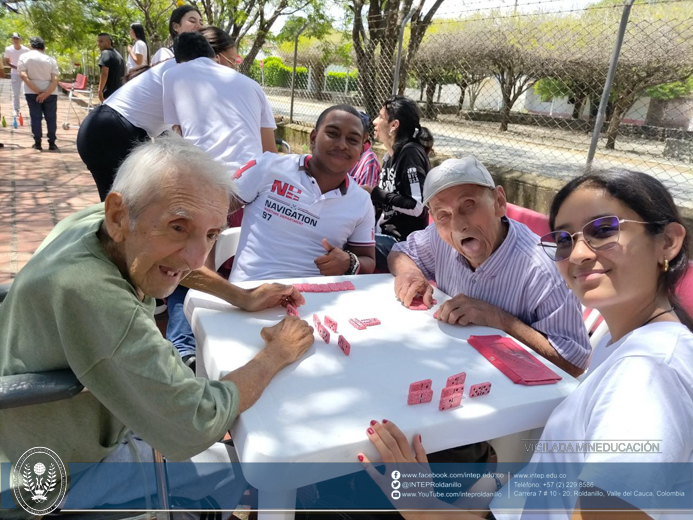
(284, 189)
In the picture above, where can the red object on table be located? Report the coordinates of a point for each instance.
(514, 361)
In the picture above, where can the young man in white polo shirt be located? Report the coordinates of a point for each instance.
(12, 55)
(304, 216)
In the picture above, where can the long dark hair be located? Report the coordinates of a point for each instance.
(653, 203)
(217, 38)
(407, 112)
(139, 31)
(177, 15)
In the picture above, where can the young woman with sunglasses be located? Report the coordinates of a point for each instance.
(620, 245)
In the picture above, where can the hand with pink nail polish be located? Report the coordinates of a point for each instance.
(395, 451)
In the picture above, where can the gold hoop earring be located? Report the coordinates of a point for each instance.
(666, 265)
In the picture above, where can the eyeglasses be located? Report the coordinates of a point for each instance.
(599, 234)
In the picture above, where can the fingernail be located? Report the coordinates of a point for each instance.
(419, 437)
(360, 458)
(385, 421)
(373, 423)
(370, 431)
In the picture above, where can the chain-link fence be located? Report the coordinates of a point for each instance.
(521, 91)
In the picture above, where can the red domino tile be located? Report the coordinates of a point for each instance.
(357, 324)
(457, 379)
(330, 324)
(446, 403)
(452, 390)
(424, 396)
(344, 345)
(291, 310)
(324, 334)
(417, 386)
(479, 389)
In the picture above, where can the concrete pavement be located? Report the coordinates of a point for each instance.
(37, 189)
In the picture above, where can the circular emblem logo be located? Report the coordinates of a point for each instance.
(39, 481)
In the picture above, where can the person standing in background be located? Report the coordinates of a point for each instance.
(138, 53)
(111, 65)
(12, 54)
(40, 73)
(367, 170)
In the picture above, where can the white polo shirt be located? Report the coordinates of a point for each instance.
(287, 216)
(218, 109)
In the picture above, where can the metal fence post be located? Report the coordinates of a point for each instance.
(395, 80)
(601, 115)
(293, 74)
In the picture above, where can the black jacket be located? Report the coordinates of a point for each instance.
(398, 198)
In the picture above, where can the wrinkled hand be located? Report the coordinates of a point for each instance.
(101, 98)
(397, 455)
(409, 285)
(462, 310)
(41, 97)
(335, 263)
(289, 339)
(270, 295)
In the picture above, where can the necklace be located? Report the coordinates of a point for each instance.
(657, 316)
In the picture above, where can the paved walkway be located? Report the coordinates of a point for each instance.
(37, 189)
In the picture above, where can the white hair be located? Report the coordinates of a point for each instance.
(140, 177)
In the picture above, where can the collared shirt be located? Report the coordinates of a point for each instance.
(367, 170)
(287, 216)
(40, 67)
(518, 277)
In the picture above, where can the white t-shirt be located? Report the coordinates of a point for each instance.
(13, 55)
(638, 389)
(162, 54)
(287, 216)
(39, 67)
(139, 48)
(218, 109)
(139, 100)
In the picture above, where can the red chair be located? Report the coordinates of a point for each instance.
(78, 87)
(80, 83)
(537, 222)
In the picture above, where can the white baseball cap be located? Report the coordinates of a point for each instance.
(454, 172)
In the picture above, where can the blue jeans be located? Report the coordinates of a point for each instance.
(178, 330)
(48, 110)
(383, 246)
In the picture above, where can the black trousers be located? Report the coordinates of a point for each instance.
(47, 110)
(104, 140)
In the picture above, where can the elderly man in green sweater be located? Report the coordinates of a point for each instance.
(85, 301)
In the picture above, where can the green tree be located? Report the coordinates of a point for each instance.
(375, 34)
(317, 54)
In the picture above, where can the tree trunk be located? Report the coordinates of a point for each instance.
(429, 110)
(318, 80)
(260, 39)
(620, 108)
(463, 88)
(577, 107)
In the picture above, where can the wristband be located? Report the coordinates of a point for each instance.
(354, 263)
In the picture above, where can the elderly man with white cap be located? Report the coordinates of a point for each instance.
(492, 265)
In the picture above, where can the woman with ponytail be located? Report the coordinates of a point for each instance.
(397, 199)
(138, 52)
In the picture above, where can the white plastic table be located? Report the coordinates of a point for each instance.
(317, 409)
